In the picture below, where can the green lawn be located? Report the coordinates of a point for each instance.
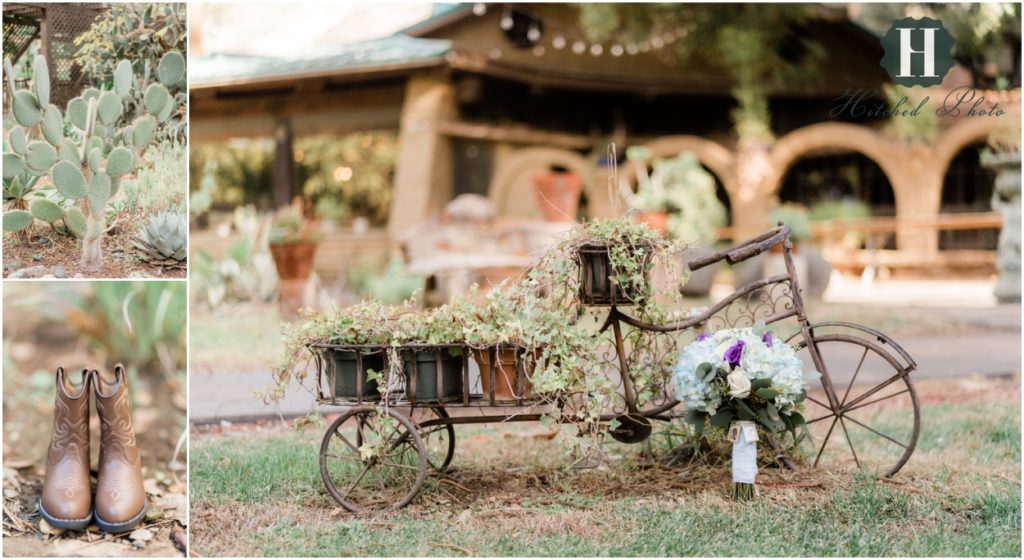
(261, 494)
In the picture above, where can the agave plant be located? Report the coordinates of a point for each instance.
(162, 239)
(84, 150)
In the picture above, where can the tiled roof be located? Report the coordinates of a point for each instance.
(396, 49)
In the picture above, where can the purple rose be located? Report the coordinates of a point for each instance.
(767, 338)
(703, 336)
(734, 353)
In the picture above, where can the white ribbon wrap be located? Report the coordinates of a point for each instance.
(743, 435)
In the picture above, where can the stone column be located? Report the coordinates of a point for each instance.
(423, 176)
(917, 188)
(1006, 200)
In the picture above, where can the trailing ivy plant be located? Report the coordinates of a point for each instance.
(569, 360)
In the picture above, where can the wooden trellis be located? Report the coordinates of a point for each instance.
(55, 26)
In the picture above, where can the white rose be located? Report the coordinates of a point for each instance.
(739, 385)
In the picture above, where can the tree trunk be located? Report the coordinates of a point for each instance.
(92, 242)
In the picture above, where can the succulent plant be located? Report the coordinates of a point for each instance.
(162, 239)
(84, 151)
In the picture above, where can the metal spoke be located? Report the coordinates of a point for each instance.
(849, 442)
(819, 419)
(879, 387)
(347, 442)
(819, 403)
(824, 443)
(854, 378)
(344, 458)
(869, 428)
(356, 481)
(871, 402)
(399, 466)
(380, 482)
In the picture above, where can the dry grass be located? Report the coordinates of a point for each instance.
(257, 491)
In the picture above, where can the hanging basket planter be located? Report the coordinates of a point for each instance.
(601, 282)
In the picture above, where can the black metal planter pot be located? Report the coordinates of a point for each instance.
(350, 373)
(432, 372)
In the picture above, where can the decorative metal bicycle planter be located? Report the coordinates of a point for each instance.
(376, 458)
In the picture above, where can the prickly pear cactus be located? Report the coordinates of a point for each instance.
(64, 166)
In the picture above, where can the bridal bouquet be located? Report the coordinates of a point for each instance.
(739, 379)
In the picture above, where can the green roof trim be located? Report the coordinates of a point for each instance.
(394, 50)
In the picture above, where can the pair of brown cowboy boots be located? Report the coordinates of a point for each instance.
(67, 500)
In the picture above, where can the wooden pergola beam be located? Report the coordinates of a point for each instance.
(515, 134)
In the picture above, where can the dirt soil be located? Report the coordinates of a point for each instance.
(53, 249)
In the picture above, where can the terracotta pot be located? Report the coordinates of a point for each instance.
(558, 195)
(658, 221)
(294, 261)
(505, 383)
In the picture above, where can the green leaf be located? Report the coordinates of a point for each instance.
(766, 394)
(761, 383)
(706, 372)
(800, 398)
(744, 412)
(722, 419)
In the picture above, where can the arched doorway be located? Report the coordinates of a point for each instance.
(967, 187)
(832, 176)
(825, 176)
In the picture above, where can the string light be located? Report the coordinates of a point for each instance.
(657, 43)
(479, 9)
(596, 49)
(506, 21)
(558, 42)
(579, 47)
(538, 50)
(616, 50)
(533, 34)
(632, 49)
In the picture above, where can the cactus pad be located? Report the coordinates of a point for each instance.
(19, 142)
(26, 109)
(99, 193)
(17, 220)
(120, 161)
(143, 130)
(40, 156)
(75, 221)
(155, 98)
(109, 108)
(123, 78)
(45, 210)
(171, 68)
(90, 93)
(167, 110)
(41, 80)
(78, 112)
(13, 165)
(95, 157)
(53, 125)
(68, 179)
(68, 151)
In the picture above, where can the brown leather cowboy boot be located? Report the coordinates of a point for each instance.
(66, 501)
(120, 498)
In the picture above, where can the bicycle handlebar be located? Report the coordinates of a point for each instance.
(749, 248)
